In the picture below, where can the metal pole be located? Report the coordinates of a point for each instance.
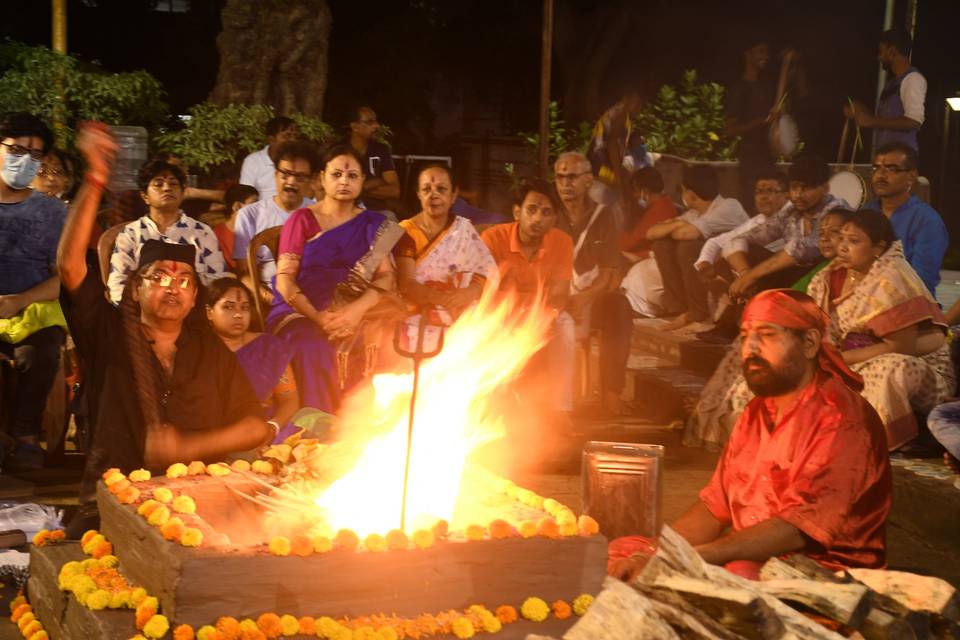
(545, 60)
(940, 192)
(59, 25)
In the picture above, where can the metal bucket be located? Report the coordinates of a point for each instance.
(622, 487)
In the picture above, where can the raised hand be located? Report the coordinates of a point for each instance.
(96, 144)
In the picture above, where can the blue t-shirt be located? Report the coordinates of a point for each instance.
(924, 236)
(29, 233)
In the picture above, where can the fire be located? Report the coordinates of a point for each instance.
(486, 348)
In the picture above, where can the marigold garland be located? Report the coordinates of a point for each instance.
(139, 475)
(423, 538)
(397, 540)
(561, 610)
(183, 632)
(163, 494)
(289, 625)
(322, 544)
(301, 545)
(506, 614)
(463, 628)
(184, 504)
(177, 470)
(45, 537)
(279, 546)
(534, 609)
(191, 537)
(346, 539)
(375, 543)
(269, 624)
(500, 529)
(475, 532)
(240, 465)
(156, 627)
(581, 603)
(196, 468)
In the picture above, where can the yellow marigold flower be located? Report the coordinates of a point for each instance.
(375, 543)
(89, 563)
(527, 528)
(177, 470)
(25, 619)
(109, 472)
(114, 478)
(550, 505)
(184, 504)
(262, 466)
(89, 533)
(128, 495)
(500, 529)
(490, 623)
(102, 549)
(289, 625)
(534, 609)
(139, 475)
(137, 596)
(327, 627)
(307, 625)
(196, 468)
(581, 603)
(248, 625)
(346, 539)
(561, 610)
(440, 529)
(139, 636)
(565, 515)
(396, 540)
(240, 465)
(569, 529)
(71, 568)
(183, 632)
(364, 633)
(463, 627)
(33, 627)
(477, 609)
(475, 532)
(387, 633)
(191, 537)
(588, 526)
(156, 627)
(322, 544)
(159, 516)
(108, 562)
(548, 528)
(120, 599)
(93, 542)
(218, 469)
(207, 632)
(163, 494)
(506, 614)
(39, 635)
(423, 538)
(98, 600)
(279, 546)
(119, 487)
(344, 633)
(147, 507)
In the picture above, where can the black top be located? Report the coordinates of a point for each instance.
(599, 248)
(745, 101)
(208, 388)
(378, 161)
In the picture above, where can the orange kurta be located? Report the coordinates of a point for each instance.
(823, 468)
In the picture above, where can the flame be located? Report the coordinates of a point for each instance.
(455, 414)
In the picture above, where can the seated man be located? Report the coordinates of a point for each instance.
(677, 243)
(532, 255)
(161, 390)
(31, 324)
(917, 225)
(381, 188)
(258, 169)
(798, 225)
(296, 166)
(806, 468)
(161, 188)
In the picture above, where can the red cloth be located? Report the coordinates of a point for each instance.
(226, 238)
(635, 240)
(795, 310)
(823, 468)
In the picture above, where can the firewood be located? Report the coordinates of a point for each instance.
(880, 625)
(917, 593)
(681, 615)
(797, 566)
(680, 554)
(848, 604)
(620, 613)
(739, 610)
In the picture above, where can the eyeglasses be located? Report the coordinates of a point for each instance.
(299, 177)
(887, 168)
(767, 192)
(165, 280)
(55, 173)
(19, 150)
(570, 177)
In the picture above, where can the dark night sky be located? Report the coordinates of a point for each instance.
(396, 52)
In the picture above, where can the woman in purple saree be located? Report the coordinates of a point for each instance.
(333, 265)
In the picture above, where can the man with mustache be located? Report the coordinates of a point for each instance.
(806, 467)
(917, 225)
(296, 166)
(162, 188)
(161, 390)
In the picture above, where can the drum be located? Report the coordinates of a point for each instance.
(850, 187)
(784, 136)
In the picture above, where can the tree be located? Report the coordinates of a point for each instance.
(274, 52)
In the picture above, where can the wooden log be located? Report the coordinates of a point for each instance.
(797, 567)
(679, 554)
(682, 615)
(620, 613)
(917, 593)
(848, 604)
(880, 625)
(739, 610)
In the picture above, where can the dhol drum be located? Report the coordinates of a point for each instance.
(784, 136)
(850, 187)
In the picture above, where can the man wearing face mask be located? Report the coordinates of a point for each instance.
(31, 323)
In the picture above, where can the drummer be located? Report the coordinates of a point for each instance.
(797, 225)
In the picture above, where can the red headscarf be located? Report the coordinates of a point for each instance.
(794, 310)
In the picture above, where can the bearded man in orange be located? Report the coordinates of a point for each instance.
(806, 467)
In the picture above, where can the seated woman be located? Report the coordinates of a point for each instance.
(441, 261)
(725, 395)
(334, 265)
(890, 329)
(264, 358)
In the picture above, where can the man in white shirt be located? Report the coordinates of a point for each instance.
(297, 164)
(677, 244)
(900, 111)
(257, 169)
(162, 188)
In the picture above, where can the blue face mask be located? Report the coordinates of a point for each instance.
(19, 171)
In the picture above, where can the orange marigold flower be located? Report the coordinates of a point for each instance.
(116, 476)
(88, 535)
(20, 611)
(129, 495)
(561, 610)
(183, 632)
(301, 545)
(269, 624)
(119, 486)
(31, 628)
(548, 528)
(229, 628)
(252, 634)
(307, 626)
(279, 546)
(322, 544)
(527, 528)
(17, 602)
(25, 619)
(423, 538)
(375, 543)
(103, 549)
(109, 472)
(440, 529)
(346, 539)
(500, 529)
(172, 529)
(588, 526)
(40, 538)
(396, 540)
(475, 532)
(209, 632)
(147, 507)
(506, 614)
(195, 468)
(144, 614)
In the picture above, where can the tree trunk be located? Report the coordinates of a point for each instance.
(274, 52)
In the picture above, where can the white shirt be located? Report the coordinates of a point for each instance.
(251, 220)
(913, 93)
(722, 215)
(258, 172)
(209, 263)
